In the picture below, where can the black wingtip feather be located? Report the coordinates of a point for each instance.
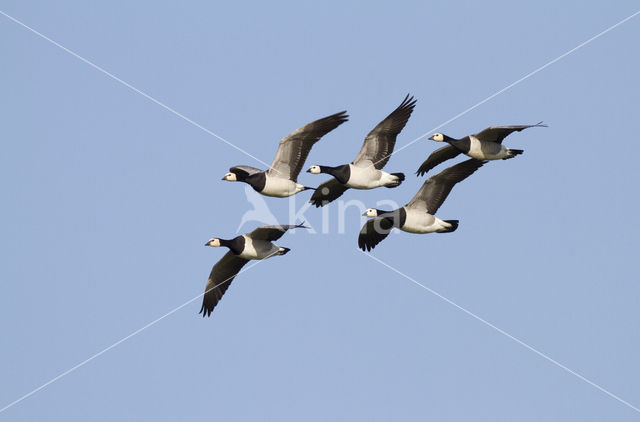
(318, 202)
(206, 312)
(422, 170)
(339, 117)
(408, 103)
(403, 111)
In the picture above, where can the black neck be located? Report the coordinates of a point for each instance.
(380, 212)
(398, 217)
(236, 245)
(449, 139)
(256, 180)
(226, 243)
(463, 144)
(328, 169)
(341, 173)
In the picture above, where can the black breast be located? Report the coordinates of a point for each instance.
(398, 217)
(236, 245)
(402, 217)
(257, 181)
(342, 173)
(463, 144)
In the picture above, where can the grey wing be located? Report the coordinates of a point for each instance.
(498, 133)
(436, 189)
(294, 148)
(327, 192)
(272, 233)
(221, 276)
(379, 143)
(374, 231)
(244, 170)
(438, 156)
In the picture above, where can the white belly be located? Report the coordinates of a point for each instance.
(280, 188)
(418, 222)
(422, 222)
(486, 150)
(258, 249)
(366, 177)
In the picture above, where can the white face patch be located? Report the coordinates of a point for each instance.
(371, 213)
(314, 170)
(231, 177)
(215, 242)
(438, 137)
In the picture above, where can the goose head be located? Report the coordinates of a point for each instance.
(230, 177)
(438, 137)
(371, 212)
(315, 169)
(213, 242)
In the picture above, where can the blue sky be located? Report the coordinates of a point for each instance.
(108, 199)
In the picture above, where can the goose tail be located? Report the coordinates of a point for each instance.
(398, 179)
(453, 225)
(283, 251)
(513, 153)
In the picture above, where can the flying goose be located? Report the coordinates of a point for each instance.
(486, 145)
(255, 245)
(418, 215)
(364, 172)
(280, 180)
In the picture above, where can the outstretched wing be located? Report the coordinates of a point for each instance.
(438, 156)
(436, 189)
(221, 276)
(272, 233)
(244, 171)
(379, 143)
(374, 231)
(498, 133)
(327, 192)
(294, 148)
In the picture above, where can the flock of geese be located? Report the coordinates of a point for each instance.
(364, 172)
